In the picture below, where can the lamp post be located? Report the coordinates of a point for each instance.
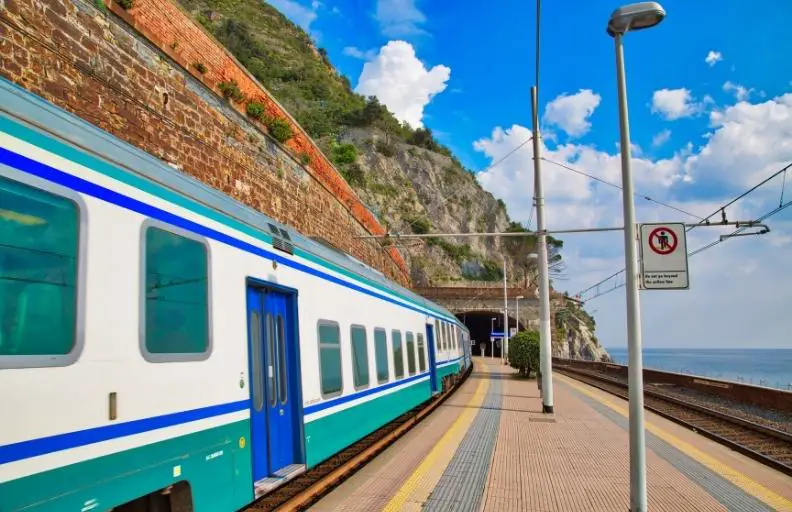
(632, 17)
(545, 343)
(492, 342)
(517, 310)
(505, 344)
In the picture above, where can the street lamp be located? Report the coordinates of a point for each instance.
(632, 17)
(505, 342)
(492, 342)
(517, 310)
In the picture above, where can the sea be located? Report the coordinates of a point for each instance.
(770, 367)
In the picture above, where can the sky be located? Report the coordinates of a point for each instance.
(710, 106)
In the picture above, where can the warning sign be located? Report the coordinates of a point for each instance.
(664, 264)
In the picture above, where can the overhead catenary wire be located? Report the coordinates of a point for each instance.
(704, 222)
(611, 184)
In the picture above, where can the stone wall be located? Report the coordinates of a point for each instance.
(136, 74)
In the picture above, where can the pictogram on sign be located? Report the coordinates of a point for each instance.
(663, 240)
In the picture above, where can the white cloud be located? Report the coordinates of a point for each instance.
(399, 18)
(713, 58)
(571, 113)
(661, 138)
(401, 81)
(676, 103)
(747, 143)
(298, 13)
(356, 53)
(740, 92)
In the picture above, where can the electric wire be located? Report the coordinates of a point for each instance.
(704, 222)
(611, 184)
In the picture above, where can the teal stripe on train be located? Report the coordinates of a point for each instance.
(326, 436)
(447, 370)
(216, 462)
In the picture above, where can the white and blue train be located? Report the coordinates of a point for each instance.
(160, 341)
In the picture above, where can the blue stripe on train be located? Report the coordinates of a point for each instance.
(30, 166)
(44, 445)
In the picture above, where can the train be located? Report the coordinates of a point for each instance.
(165, 347)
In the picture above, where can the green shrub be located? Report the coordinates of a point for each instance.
(280, 129)
(200, 67)
(231, 91)
(255, 110)
(385, 149)
(101, 6)
(524, 352)
(126, 4)
(354, 175)
(305, 158)
(420, 225)
(344, 154)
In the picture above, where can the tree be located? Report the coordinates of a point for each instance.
(524, 352)
(521, 247)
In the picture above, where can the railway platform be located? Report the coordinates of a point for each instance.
(489, 447)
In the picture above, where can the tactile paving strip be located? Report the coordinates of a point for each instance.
(462, 485)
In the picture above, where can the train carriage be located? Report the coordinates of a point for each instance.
(162, 343)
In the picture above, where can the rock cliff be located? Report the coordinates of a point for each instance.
(412, 183)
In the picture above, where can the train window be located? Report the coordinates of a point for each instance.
(410, 353)
(283, 386)
(176, 312)
(360, 370)
(330, 358)
(421, 353)
(39, 246)
(398, 358)
(438, 335)
(270, 334)
(256, 383)
(381, 355)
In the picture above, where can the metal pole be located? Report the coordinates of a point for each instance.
(505, 345)
(545, 349)
(635, 366)
(517, 313)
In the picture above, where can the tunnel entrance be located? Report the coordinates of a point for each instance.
(482, 324)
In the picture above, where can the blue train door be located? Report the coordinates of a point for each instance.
(274, 379)
(430, 341)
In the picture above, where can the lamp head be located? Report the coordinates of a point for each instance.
(635, 17)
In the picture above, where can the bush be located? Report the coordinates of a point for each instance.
(231, 91)
(200, 67)
(354, 175)
(344, 154)
(280, 129)
(385, 149)
(420, 225)
(125, 4)
(524, 352)
(255, 110)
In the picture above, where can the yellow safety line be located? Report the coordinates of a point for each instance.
(397, 502)
(742, 481)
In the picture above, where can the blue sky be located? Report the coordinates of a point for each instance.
(710, 112)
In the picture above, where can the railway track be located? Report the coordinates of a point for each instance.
(308, 488)
(764, 444)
